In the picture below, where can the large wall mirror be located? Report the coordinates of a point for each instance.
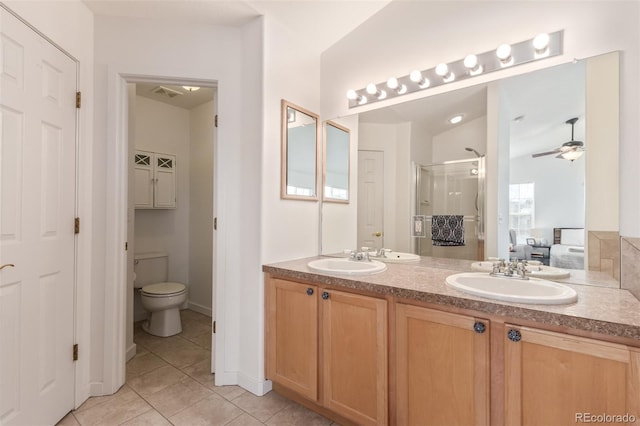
(299, 172)
(476, 153)
(335, 169)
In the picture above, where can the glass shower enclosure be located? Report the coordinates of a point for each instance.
(451, 191)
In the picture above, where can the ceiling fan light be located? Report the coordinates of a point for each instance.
(572, 155)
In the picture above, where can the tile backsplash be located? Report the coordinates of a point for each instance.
(630, 265)
(604, 252)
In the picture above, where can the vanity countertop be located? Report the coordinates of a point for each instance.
(603, 310)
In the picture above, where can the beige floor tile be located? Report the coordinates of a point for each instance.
(184, 356)
(156, 380)
(149, 418)
(262, 407)
(68, 420)
(245, 420)
(192, 328)
(202, 340)
(211, 411)
(201, 371)
(298, 415)
(126, 406)
(178, 396)
(97, 400)
(143, 363)
(229, 392)
(189, 315)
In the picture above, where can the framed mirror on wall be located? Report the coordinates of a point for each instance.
(300, 155)
(335, 171)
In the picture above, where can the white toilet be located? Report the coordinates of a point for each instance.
(161, 299)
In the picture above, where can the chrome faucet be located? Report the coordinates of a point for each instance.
(359, 256)
(514, 268)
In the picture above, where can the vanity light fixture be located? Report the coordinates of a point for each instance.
(373, 90)
(471, 62)
(352, 95)
(191, 88)
(544, 45)
(443, 71)
(417, 77)
(393, 84)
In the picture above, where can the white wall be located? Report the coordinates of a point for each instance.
(52, 19)
(559, 191)
(165, 129)
(421, 144)
(137, 48)
(201, 207)
(409, 35)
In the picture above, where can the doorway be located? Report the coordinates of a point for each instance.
(176, 120)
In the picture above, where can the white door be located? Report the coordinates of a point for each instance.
(37, 195)
(370, 199)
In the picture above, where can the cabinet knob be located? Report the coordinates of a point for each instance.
(325, 295)
(310, 291)
(514, 335)
(479, 327)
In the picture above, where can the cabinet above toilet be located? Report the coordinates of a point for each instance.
(155, 180)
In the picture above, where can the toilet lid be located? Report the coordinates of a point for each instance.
(163, 289)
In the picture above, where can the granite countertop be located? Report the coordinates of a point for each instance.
(604, 310)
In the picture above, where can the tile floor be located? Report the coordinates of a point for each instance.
(169, 382)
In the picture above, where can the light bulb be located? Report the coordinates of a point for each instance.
(471, 62)
(443, 71)
(352, 95)
(372, 89)
(416, 77)
(456, 119)
(541, 44)
(393, 84)
(503, 52)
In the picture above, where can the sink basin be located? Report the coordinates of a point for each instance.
(533, 290)
(346, 266)
(398, 257)
(537, 271)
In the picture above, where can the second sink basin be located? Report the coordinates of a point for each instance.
(346, 266)
(533, 290)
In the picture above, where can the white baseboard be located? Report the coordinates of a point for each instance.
(131, 351)
(256, 387)
(96, 389)
(199, 308)
(227, 378)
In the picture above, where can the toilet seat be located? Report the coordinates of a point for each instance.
(167, 289)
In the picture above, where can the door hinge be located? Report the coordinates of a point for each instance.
(76, 226)
(78, 99)
(126, 246)
(213, 326)
(75, 352)
(215, 120)
(215, 223)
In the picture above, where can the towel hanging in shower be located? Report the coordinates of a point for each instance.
(447, 230)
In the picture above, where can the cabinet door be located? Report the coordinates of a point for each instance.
(165, 181)
(556, 379)
(292, 336)
(143, 165)
(442, 365)
(354, 342)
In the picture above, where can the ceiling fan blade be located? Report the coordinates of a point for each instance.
(540, 154)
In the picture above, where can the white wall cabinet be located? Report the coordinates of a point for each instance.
(155, 180)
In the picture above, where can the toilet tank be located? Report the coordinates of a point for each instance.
(150, 268)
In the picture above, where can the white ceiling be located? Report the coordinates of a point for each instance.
(320, 22)
(185, 99)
